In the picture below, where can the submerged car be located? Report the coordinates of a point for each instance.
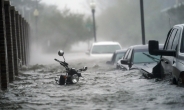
(138, 57)
(103, 49)
(117, 55)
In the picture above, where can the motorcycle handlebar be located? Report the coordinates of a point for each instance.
(62, 63)
(66, 64)
(57, 60)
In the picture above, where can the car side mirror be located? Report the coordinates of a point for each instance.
(153, 47)
(124, 62)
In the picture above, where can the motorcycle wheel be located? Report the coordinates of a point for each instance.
(62, 80)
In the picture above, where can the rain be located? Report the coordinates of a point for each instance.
(73, 27)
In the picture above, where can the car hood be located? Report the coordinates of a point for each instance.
(148, 67)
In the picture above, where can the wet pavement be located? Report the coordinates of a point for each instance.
(103, 88)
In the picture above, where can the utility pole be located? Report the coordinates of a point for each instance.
(36, 14)
(142, 21)
(93, 5)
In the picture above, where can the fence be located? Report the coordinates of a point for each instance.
(14, 43)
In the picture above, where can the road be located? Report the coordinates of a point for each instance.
(103, 88)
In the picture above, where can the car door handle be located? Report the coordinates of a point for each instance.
(166, 62)
(173, 62)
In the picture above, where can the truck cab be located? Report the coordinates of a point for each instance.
(172, 55)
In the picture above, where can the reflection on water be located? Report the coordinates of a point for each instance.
(103, 87)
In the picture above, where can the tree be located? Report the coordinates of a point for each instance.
(56, 29)
(61, 29)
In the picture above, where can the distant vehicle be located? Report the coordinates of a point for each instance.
(103, 49)
(138, 57)
(172, 56)
(117, 55)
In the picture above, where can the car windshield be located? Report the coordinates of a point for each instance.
(101, 49)
(140, 57)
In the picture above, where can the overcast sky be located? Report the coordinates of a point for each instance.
(80, 6)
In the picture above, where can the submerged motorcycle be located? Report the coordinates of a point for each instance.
(72, 75)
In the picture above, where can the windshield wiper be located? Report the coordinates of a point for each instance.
(153, 58)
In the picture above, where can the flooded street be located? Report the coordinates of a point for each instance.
(103, 88)
(136, 34)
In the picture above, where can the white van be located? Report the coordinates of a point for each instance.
(103, 49)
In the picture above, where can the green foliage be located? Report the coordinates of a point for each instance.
(20, 4)
(61, 29)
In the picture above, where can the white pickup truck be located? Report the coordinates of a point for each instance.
(172, 56)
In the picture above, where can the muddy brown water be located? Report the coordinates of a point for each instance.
(103, 88)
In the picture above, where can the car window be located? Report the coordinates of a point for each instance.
(182, 43)
(126, 54)
(170, 40)
(176, 40)
(139, 57)
(101, 49)
(130, 54)
(168, 37)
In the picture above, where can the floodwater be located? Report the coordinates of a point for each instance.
(103, 88)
